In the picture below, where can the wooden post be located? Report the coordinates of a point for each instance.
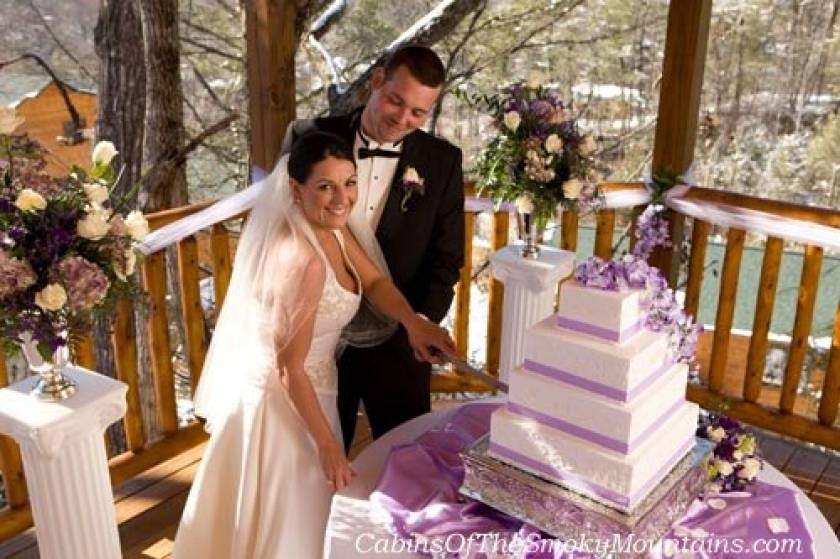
(496, 296)
(726, 308)
(679, 106)
(271, 42)
(461, 328)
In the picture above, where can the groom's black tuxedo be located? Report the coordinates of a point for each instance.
(424, 248)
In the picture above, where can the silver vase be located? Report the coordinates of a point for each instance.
(529, 234)
(52, 385)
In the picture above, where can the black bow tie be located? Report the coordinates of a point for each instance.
(364, 153)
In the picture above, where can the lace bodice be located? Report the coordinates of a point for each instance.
(335, 310)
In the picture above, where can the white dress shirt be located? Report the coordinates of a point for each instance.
(374, 177)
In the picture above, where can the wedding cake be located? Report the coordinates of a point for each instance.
(598, 404)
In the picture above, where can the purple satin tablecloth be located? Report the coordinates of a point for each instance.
(418, 492)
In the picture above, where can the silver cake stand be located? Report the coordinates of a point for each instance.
(567, 515)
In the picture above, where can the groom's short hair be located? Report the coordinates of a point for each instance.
(421, 62)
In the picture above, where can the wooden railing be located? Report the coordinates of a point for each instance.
(213, 249)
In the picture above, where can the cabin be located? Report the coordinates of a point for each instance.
(39, 102)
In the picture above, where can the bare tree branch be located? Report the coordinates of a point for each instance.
(181, 156)
(231, 11)
(203, 81)
(327, 19)
(211, 50)
(220, 155)
(451, 62)
(58, 42)
(596, 38)
(229, 41)
(431, 28)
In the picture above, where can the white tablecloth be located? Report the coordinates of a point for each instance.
(350, 523)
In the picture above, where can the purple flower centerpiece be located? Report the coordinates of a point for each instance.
(66, 254)
(735, 460)
(538, 152)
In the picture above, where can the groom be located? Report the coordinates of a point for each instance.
(419, 227)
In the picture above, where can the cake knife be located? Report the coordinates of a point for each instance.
(462, 366)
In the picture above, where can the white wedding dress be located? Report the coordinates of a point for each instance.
(260, 492)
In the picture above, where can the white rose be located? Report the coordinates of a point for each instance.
(138, 227)
(8, 120)
(572, 188)
(411, 175)
(750, 469)
(51, 298)
(96, 193)
(715, 434)
(588, 145)
(512, 120)
(525, 205)
(535, 79)
(94, 225)
(553, 144)
(103, 153)
(28, 200)
(724, 467)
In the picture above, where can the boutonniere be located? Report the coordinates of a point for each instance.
(410, 184)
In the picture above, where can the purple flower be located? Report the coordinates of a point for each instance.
(541, 108)
(651, 231)
(86, 284)
(15, 274)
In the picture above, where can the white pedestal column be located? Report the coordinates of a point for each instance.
(530, 291)
(65, 464)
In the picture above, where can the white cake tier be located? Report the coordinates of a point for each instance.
(610, 315)
(617, 426)
(619, 372)
(617, 480)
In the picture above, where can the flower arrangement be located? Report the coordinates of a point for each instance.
(538, 153)
(660, 308)
(66, 251)
(735, 461)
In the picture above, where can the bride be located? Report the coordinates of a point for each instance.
(268, 387)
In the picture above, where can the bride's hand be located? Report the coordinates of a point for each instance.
(427, 339)
(334, 463)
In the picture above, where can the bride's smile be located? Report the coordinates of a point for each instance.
(328, 194)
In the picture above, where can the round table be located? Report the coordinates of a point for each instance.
(351, 529)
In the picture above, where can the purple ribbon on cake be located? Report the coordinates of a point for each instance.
(599, 331)
(418, 492)
(597, 387)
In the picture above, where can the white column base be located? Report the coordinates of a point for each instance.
(530, 292)
(65, 464)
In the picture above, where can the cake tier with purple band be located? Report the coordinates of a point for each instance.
(613, 425)
(619, 372)
(617, 479)
(611, 315)
(598, 405)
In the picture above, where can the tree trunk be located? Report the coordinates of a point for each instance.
(165, 185)
(121, 102)
(165, 182)
(121, 91)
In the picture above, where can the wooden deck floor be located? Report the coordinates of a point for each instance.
(149, 506)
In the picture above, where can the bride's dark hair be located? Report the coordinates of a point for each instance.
(312, 148)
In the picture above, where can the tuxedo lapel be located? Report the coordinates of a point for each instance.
(391, 214)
